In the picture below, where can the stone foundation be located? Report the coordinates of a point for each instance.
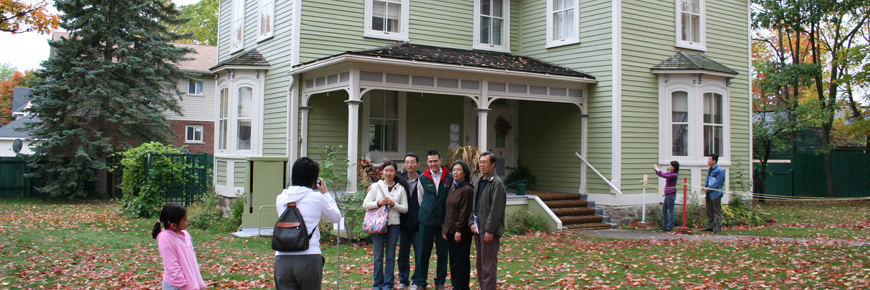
(626, 215)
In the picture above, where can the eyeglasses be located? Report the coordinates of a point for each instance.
(483, 162)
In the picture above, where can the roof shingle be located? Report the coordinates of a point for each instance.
(248, 58)
(692, 61)
(476, 58)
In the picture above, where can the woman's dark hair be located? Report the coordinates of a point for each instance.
(465, 168)
(305, 172)
(397, 178)
(676, 166)
(172, 214)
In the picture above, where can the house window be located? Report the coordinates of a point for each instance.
(680, 123)
(223, 119)
(194, 87)
(193, 133)
(713, 125)
(387, 19)
(384, 121)
(244, 118)
(492, 25)
(237, 33)
(691, 24)
(693, 118)
(563, 22)
(266, 19)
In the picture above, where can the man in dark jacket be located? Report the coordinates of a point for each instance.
(409, 223)
(487, 223)
(436, 185)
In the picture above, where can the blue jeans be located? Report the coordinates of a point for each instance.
(406, 240)
(385, 245)
(668, 212)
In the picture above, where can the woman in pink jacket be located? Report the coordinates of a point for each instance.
(180, 269)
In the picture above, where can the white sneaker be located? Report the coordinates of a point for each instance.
(414, 287)
(404, 286)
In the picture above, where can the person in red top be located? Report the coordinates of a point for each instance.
(670, 194)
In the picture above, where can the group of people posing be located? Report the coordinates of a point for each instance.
(441, 207)
(444, 207)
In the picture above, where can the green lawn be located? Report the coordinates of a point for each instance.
(87, 245)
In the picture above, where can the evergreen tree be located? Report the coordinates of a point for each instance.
(105, 89)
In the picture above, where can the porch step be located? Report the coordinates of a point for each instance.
(566, 203)
(573, 211)
(593, 226)
(584, 219)
(548, 196)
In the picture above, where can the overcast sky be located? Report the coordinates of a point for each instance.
(27, 50)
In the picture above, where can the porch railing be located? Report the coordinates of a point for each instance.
(599, 173)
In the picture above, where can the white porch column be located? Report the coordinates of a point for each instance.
(303, 147)
(292, 123)
(481, 129)
(352, 139)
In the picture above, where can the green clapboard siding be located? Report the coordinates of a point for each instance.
(222, 173)
(429, 119)
(549, 134)
(593, 55)
(648, 38)
(333, 27)
(225, 15)
(327, 125)
(239, 174)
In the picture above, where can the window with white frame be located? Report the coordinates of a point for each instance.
(193, 133)
(237, 119)
(266, 19)
(384, 119)
(387, 19)
(492, 25)
(693, 117)
(713, 126)
(563, 22)
(223, 119)
(680, 123)
(691, 19)
(194, 87)
(237, 31)
(244, 118)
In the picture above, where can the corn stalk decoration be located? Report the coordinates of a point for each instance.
(470, 155)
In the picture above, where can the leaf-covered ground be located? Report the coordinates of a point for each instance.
(87, 245)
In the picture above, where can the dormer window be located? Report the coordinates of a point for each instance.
(492, 25)
(387, 19)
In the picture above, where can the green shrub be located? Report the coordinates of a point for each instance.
(519, 173)
(524, 222)
(204, 213)
(739, 212)
(143, 195)
(236, 211)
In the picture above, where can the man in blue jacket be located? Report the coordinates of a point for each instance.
(436, 185)
(715, 180)
(409, 222)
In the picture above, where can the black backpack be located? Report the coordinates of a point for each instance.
(291, 234)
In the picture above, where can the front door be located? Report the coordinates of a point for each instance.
(501, 135)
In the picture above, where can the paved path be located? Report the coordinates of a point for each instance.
(707, 236)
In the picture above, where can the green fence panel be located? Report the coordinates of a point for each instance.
(805, 175)
(13, 184)
(186, 192)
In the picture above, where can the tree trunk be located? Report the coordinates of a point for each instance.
(102, 180)
(829, 166)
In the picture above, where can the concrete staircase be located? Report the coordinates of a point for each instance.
(574, 210)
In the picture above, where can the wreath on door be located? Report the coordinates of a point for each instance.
(502, 127)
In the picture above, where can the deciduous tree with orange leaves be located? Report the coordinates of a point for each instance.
(18, 79)
(17, 16)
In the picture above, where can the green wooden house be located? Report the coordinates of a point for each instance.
(624, 84)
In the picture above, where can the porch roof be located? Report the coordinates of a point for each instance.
(692, 61)
(463, 57)
(248, 58)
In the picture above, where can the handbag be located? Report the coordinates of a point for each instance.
(375, 221)
(291, 233)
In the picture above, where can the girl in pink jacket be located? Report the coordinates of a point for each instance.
(180, 269)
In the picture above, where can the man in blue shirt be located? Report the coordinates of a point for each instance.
(715, 180)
